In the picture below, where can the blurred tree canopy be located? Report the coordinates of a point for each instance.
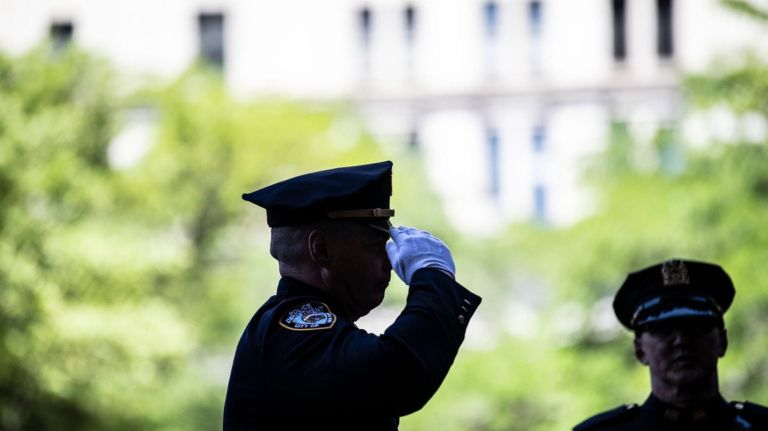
(706, 203)
(124, 289)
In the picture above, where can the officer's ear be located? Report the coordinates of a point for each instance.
(318, 245)
(723, 347)
(639, 351)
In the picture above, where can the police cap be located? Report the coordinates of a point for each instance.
(349, 193)
(675, 289)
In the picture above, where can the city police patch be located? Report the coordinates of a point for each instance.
(309, 316)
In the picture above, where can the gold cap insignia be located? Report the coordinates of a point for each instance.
(674, 272)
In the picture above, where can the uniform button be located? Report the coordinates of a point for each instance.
(739, 406)
(462, 319)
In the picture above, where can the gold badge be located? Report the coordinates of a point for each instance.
(674, 272)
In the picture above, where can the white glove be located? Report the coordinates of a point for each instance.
(411, 250)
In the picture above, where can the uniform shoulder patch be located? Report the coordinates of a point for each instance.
(308, 316)
(608, 417)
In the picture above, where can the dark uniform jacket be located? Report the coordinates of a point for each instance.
(655, 415)
(299, 365)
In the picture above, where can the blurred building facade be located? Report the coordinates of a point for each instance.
(505, 98)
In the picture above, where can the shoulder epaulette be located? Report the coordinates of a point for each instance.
(610, 416)
(750, 413)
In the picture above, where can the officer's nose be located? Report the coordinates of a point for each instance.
(680, 337)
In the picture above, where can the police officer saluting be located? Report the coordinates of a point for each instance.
(301, 362)
(676, 311)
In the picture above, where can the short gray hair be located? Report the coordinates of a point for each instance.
(288, 244)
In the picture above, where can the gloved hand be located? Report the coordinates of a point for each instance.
(412, 249)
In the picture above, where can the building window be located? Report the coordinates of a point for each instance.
(535, 27)
(491, 27)
(671, 158)
(365, 25)
(409, 25)
(413, 140)
(665, 35)
(534, 17)
(211, 35)
(538, 138)
(61, 35)
(492, 138)
(619, 16)
(618, 155)
(539, 202)
(491, 19)
(365, 34)
(409, 19)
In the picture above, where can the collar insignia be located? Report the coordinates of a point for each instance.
(308, 317)
(674, 272)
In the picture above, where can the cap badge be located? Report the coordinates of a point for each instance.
(674, 272)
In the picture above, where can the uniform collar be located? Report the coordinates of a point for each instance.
(698, 414)
(292, 287)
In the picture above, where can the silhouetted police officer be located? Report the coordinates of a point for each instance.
(301, 362)
(676, 311)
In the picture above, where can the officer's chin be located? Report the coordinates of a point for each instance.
(687, 374)
(377, 300)
(364, 309)
(382, 287)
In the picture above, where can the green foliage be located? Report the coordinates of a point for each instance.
(748, 8)
(554, 378)
(53, 132)
(124, 291)
(741, 88)
(708, 204)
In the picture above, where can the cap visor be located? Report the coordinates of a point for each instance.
(678, 313)
(382, 226)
